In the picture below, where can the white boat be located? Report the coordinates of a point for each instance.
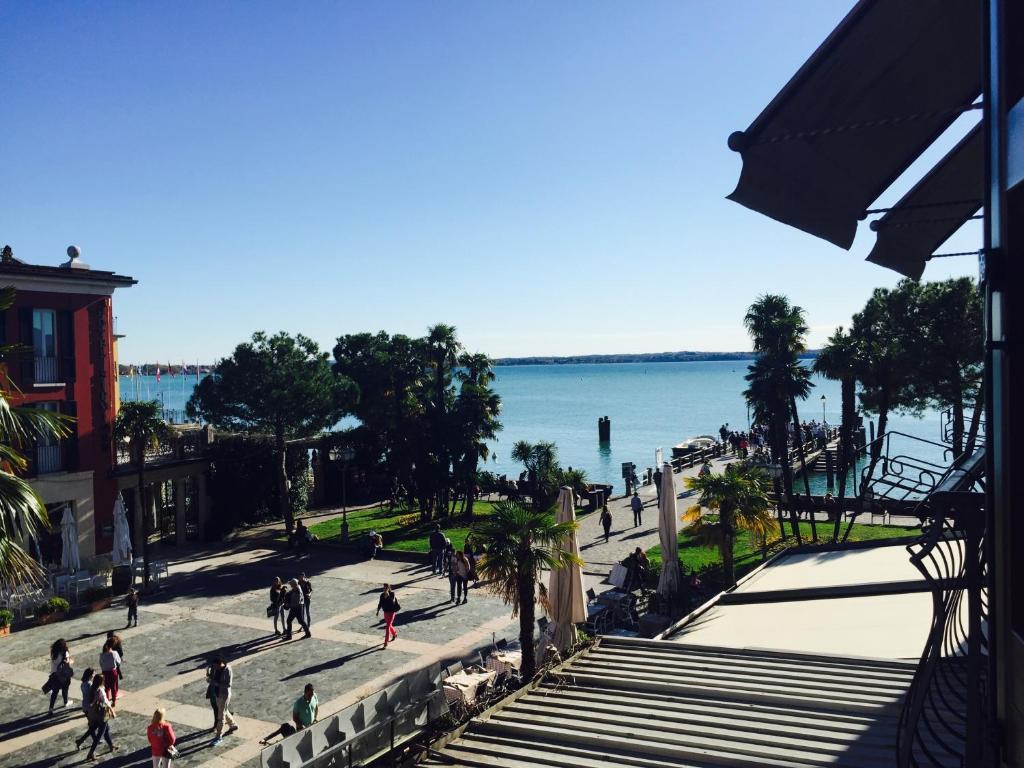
(693, 444)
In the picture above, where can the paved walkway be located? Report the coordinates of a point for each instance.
(215, 603)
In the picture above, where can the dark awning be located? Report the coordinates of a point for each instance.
(937, 206)
(889, 79)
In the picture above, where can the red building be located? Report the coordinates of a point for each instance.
(64, 315)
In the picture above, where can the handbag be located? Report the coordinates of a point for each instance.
(172, 751)
(271, 610)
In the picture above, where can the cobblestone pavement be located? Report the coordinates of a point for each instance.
(215, 602)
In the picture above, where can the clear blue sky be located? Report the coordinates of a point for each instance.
(548, 177)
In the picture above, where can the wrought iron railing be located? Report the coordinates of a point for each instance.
(943, 721)
(893, 474)
(46, 370)
(181, 444)
(948, 426)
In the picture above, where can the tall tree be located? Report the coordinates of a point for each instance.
(443, 353)
(777, 379)
(521, 543)
(740, 497)
(281, 386)
(141, 424)
(22, 512)
(476, 415)
(837, 360)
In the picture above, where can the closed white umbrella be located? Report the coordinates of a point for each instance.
(69, 557)
(122, 552)
(565, 587)
(668, 584)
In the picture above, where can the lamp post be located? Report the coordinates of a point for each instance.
(822, 410)
(345, 456)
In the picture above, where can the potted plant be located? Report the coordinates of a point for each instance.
(54, 609)
(6, 619)
(97, 598)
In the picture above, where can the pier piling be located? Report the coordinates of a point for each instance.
(604, 429)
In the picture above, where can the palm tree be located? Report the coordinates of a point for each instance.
(740, 497)
(777, 379)
(541, 462)
(22, 512)
(141, 424)
(443, 352)
(477, 407)
(837, 360)
(521, 542)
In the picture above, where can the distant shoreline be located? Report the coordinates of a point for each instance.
(645, 357)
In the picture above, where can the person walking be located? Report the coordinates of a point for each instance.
(161, 740)
(451, 561)
(110, 663)
(117, 645)
(296, 610)
(307, 596)
(132, 601)
(222, 678)
(101, 712)
(606, 522)
(211, 694)
(389, 604)
(276, 607)
(638, 507)
(656, 477)
(461, 568)
(61, 673)
(437, 542)
(86, 689)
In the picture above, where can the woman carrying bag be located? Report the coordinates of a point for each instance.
(161, 740)
(100, 714)
(390, 605)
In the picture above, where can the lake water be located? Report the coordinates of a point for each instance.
(650, 406)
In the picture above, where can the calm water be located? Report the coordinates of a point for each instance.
(650, 406)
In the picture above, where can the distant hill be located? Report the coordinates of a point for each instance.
(644, 357)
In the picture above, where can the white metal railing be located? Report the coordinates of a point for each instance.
(46, 370)
(48, 459)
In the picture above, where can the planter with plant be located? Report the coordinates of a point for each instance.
(54, 609)
(97, 598)
(6, 619)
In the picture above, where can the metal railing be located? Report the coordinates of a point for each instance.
(46, 370)
(895, 475)
(49, 458)
(944, 717)
(181, 444)
(948, 426)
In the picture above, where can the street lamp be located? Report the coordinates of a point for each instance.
(344, 455)
(822, 410)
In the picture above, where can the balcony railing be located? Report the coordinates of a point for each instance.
(181, 444)
(49, 458)
(46, 370)
(972, 420)
(945, 719)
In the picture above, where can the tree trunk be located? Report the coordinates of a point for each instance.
(876, 446)
(958, 423)
(778, 427)
(280, 456)
(728, 542)
(846, 453)
(972, 434)
(527, 613)
(140, 463)
(803, 462)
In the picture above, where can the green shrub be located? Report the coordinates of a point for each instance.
(6, 618)
(53, 605)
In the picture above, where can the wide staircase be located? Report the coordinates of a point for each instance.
(653, 703)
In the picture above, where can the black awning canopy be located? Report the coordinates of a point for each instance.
(937, 206)
(885, 84)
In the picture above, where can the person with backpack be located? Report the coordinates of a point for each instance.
(388, 603)
(161, 740)
(61, 673)
(110, 666)
(307, 596)
(296, 610)
(101, 712)
(606, 522)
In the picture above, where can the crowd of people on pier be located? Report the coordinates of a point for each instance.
(755, 443)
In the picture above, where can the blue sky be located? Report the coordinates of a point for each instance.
(548, 177)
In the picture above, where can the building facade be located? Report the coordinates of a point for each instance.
(63, 318)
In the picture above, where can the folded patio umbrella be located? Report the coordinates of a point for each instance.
(565, 588)
(668, 584)
(69, 556)
(122, 552)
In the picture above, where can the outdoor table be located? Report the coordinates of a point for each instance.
(506, 660)
(463, 686)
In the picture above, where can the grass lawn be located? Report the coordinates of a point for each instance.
(748, 554)
(401, 529)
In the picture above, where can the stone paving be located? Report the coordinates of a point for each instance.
(214, 603)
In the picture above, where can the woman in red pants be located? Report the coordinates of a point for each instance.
(110, 663)
(389, 604)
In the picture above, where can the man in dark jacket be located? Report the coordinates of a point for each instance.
(307, 596)
(437, 543)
